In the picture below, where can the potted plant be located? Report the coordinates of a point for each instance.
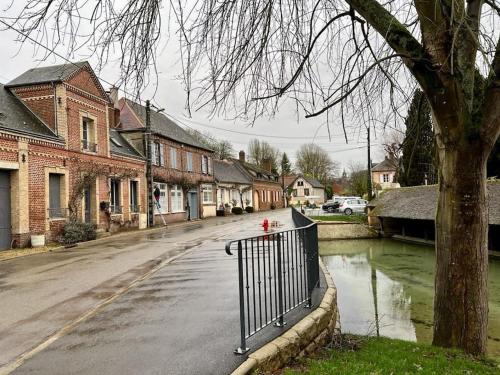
(220, 211)
(37, 240)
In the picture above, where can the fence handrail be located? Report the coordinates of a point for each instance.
(229, 243)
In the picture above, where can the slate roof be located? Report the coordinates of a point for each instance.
(47, 74)
(386, 165)
(255, 172)
(160, 124)
(16, 117)
(419, 203)
(290, 180)
(227, 171)
(120, 146)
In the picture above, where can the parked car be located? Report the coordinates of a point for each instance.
(349, 206)
(330, 206)
(333, 204)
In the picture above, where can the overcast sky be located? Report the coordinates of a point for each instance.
(285, 131)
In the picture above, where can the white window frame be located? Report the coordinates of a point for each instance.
(208, 194)
(173, 157)
(176, 199)
(189, 161)
(204, 164)
(385, 177)
(163, 197)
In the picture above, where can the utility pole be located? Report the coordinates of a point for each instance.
(369, 182)
(149, 164)
(283, 182)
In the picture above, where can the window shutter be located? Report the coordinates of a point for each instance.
(153, 152)
(162, 154)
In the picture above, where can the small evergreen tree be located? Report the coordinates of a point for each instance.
(286, 166)
(418, 158)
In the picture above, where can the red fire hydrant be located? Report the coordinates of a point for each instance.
(265, 225)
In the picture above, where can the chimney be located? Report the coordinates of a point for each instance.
(266, 164)
(113, 95)
(242, 156)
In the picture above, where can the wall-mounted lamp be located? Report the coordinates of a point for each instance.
(23, 158)
(59, 100)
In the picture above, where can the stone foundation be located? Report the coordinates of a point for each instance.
(344, 230)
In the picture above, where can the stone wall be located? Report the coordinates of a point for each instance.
(311, 333)
(344, 230)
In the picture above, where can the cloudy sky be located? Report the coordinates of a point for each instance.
(285, 131)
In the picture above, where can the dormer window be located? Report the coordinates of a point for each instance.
(88, 135)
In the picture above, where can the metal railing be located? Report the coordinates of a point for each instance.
(277, 272)
(58, 213)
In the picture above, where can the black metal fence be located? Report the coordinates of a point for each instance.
(277, 273)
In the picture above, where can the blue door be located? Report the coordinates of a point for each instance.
(193, 205)
(5, 230)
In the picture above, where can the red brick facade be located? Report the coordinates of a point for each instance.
(62, 106)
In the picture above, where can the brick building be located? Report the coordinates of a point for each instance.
(267, 189)
(181, 166)
(60, 156)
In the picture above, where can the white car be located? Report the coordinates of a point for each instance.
(349, 206)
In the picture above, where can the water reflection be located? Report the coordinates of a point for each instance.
(386, 288)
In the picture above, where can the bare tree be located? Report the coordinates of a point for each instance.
(347, 59)
(260, 151)
(223, 149)
(313, 161)
(358, 179)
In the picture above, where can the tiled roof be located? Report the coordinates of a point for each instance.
(120, 146)
(227, 171)
(256, 173)
(290, 180)
(160, 124)
(16, 117)
(386, 165)
(46, 74)
(420, 202)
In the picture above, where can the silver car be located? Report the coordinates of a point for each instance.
(349, 206)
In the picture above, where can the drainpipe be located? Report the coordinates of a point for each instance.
(56, 130)
(149, 164)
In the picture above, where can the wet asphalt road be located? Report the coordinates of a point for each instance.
(181, 319)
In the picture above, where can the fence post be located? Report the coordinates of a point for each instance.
(312, 261)
(281, 322)
(243, 346)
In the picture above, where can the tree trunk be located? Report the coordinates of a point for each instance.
(461, 298)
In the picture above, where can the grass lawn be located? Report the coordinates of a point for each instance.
(350, 218)
(363, 355)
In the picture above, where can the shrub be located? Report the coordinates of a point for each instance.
(273, 206)
(75, 231)
(237, 210)
(249, 209)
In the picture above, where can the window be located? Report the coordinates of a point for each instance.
(173, 157)
(157, 154)
(189, 161)
(294, 192)
(306, 191)
(88, 135)
(114, 198)
(55, 209)
(300, 183)
(134, 197)
(176, 198)
(204, 164)
(163, 201)
(207, 194)
(209, 165)
(385, 177)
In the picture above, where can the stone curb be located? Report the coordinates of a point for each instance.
(303, 338)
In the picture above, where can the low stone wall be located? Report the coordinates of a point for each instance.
(303, 338)
(339, 230)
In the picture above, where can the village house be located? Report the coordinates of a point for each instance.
(234, 186)
(267, 190)
(59, 157)
(409, 213)
(182, 167)
(304, 189)
(384, 175)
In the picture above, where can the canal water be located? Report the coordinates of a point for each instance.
(386, 287)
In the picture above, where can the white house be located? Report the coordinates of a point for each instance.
(305, 189)
(234, 188)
